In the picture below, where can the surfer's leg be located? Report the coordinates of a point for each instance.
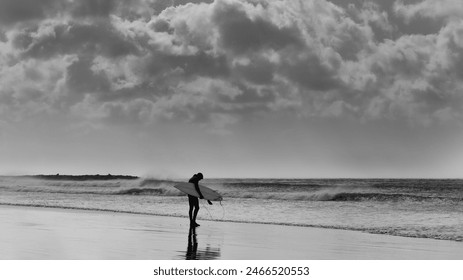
(190, 213)
(192, 205)
(194, 217)
(196, 210)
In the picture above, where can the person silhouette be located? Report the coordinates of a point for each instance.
(194, 201)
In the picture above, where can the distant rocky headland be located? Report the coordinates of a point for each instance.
(85, 177)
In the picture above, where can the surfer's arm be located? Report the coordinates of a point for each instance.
(199, 192)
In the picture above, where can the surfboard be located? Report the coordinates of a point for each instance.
(189, 188)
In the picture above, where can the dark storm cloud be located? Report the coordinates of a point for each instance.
(81, 79)
(392, 13)
(225, 59)
(259, 71)
(312, 74)
(75, 38)
(241, 34)
(199, 64)
(14, 11)
(93, 7)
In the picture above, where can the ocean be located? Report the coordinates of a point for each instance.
(424, 208)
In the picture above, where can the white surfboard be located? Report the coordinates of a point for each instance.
(189, 188)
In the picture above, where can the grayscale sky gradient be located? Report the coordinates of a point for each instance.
(310, 88)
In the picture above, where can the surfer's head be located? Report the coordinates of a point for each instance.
(200, 175)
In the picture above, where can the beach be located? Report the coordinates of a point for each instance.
(40, 233)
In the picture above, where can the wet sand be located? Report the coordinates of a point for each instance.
(47, 233)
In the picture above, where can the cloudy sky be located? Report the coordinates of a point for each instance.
(232, 88)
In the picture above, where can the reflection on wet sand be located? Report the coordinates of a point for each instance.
(192, 252)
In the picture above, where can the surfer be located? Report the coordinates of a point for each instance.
(194, 201)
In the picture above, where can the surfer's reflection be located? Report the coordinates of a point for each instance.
(192, 252)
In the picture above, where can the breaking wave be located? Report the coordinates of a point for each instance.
(158, 187)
